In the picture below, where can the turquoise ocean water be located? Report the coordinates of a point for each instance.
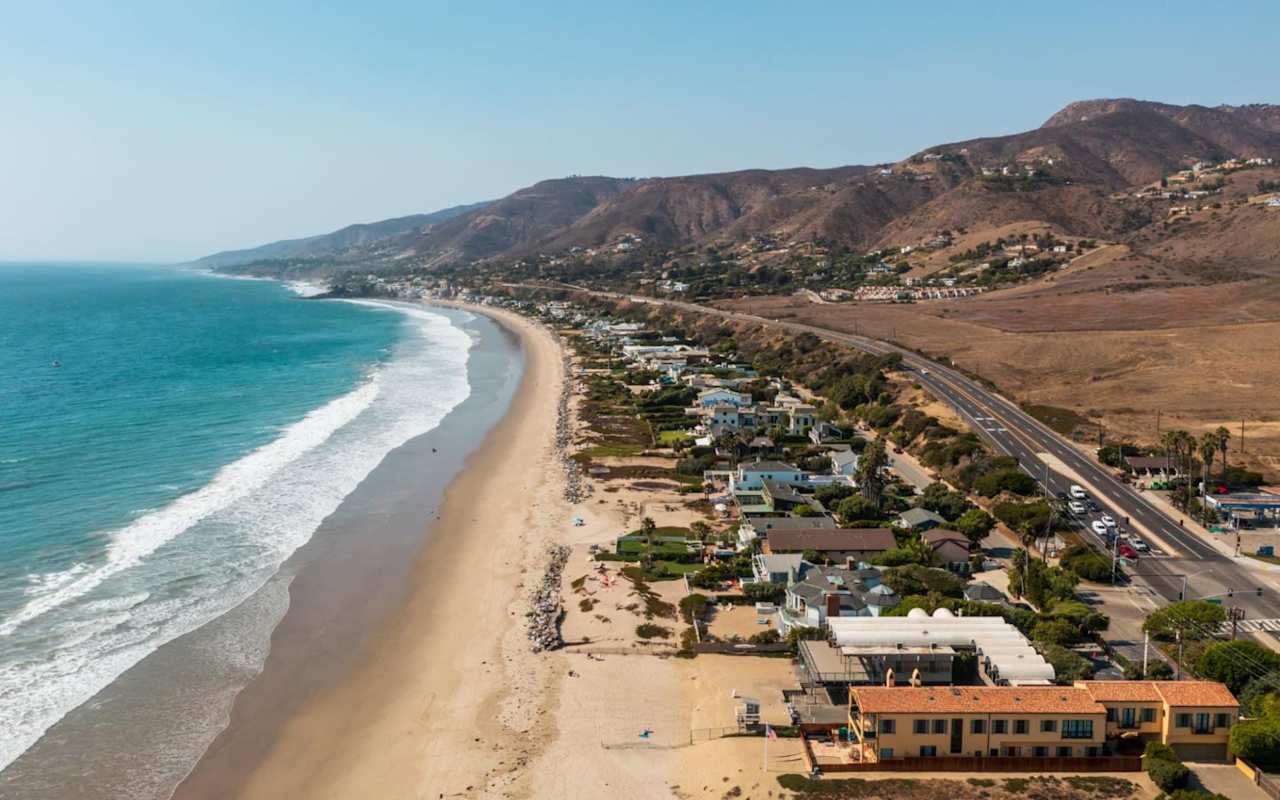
(167, 440)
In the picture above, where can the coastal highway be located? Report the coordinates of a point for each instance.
(1045, 455)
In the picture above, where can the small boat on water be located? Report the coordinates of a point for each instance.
(57, 363)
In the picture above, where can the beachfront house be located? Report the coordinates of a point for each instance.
(750, 477)
(754, 526)
(831, 544)
(1089, 719)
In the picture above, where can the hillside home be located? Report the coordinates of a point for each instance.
(719, 396)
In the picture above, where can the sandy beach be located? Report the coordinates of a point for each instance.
(447, 697)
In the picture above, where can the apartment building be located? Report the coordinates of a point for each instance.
(1193, 717)
(975, 721)
(1088, 719)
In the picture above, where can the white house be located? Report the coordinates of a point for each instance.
(800, 417)
(844, 462)
(751, 477)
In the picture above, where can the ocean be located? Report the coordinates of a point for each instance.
(168, 439)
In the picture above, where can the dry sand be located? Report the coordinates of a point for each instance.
(449, 699)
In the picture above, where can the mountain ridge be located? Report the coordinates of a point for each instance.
(1079, 156)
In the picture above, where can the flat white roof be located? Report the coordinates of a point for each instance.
(1006, 653)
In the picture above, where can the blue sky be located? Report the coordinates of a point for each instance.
(134, 131)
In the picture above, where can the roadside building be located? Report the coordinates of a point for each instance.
(844, 462)
(951, 549)
(920, 519)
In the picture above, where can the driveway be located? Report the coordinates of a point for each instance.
(1226, 780)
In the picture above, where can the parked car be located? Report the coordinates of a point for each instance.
(1139, 545)
(1099, 527)
(1093, 506)
(1078, 493)
(1108, 520)
(1063, 496)
(1125, 551)
(1076, 507)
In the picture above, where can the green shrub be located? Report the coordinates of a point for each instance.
(1168, 775)
(1236, 663)
(693, 607)
(1258, 741)
(1164, 767)
(647, 630)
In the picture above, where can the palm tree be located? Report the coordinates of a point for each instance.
(1224, 440)
(871, 470)
(1208, 449)
(647, 529)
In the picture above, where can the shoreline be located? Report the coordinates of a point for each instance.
(444, 695)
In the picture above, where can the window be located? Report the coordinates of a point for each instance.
(1040, 752)
(1048, 725)
(1091, 751)
(886, 726)
(1111, 715)
(886, 752)
(1128, 718)
(999, 726)
(1184, 721)
(939, 726)
(1064, 752)
(1148, 715)
(1222, 721)
(928, 751)
(1012, 752)
(1202, 724)
(920, 726)
(1077, 729)
(1020, 726)
(978, 726)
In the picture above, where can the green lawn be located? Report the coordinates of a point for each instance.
(671, 438)
(615, 450)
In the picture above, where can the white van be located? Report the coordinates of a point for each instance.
(1078, 493)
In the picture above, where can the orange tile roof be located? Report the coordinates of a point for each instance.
(1196, 693)
(976, 700)
(1122, 691)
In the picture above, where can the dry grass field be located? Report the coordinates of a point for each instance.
(1116, 358)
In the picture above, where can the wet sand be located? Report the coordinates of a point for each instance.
(443, 697)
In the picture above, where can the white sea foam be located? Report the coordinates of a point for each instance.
(306, 288)
(172, 570)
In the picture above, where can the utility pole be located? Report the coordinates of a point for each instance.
(1235, 614)
(1146, 645)
(1178, 677)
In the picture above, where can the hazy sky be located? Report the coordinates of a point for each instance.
(158, 132)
